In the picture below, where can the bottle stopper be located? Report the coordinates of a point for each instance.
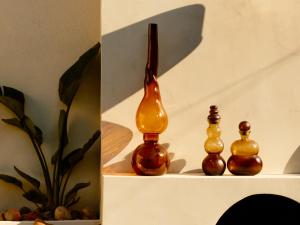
(214, 116)
(244, 127)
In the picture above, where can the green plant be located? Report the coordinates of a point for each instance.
(62, 165)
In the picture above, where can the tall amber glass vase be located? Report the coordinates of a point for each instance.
(151, 158)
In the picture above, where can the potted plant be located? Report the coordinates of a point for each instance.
(56, 202)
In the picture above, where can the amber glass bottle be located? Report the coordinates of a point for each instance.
(213, 163)
(244, 159)
(151, 158)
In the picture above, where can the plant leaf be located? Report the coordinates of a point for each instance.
(14, 100)
(62, 134)
(30, 179)
(78, 154)
(71, 160)
(11, 180)
(72, 194)
(70, 80)
(73, 202)
(35, 196)
(91, 141)
(14, 93)
(33, 130)
(14, 122)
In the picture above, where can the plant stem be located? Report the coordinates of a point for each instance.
(53, 179)
(57, 169)
(44, 168)
(49, 185)
(65, 185)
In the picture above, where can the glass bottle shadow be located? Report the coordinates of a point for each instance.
(124, 51)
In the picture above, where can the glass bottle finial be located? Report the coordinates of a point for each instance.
(244, 159)
(213, 163)
(151, 158)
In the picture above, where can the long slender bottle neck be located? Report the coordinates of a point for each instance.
(152, 61)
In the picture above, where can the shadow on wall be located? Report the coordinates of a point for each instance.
(114, 139)
(293, 165)
(125, 51)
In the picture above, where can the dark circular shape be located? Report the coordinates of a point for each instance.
(262, 209)
(244, 126)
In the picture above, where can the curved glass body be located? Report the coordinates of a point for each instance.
(151, 158)
(151, 117)
(244, 159)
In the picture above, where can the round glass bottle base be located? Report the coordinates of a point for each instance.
(213, 165)
(150, 159)
(244, 165)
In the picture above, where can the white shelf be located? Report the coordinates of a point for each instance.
(189, 199)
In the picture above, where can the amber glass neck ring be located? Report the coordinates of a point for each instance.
(151, 137)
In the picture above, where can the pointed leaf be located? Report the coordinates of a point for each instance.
(14, 122)
(13, 105)
(30, 179)
(73, 202)
(35, 196)
(70, 80)
(62, 134)
(78, 154)
(71, 160)
(72, 194)
(33, 130)
(14, 100)
(11, 180)
(15, 94)
(91, 141)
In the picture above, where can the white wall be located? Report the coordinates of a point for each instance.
(39, 40)
(247, 63)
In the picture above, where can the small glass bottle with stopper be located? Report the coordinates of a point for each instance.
(151, 158)
(244, 159)
(213, 163)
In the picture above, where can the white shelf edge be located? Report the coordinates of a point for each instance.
(201, 176)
